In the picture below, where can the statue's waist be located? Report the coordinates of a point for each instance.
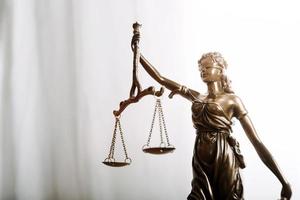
(210, 136)
(203, 131)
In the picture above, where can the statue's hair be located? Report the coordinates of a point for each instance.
(217, 58)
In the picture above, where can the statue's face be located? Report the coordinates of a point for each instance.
(210, 71)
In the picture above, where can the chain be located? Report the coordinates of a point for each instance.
(113, 142)
(161, 113)
(122, 138)
(162, 124)
(112, 146)
(152, 124)
(160, 121)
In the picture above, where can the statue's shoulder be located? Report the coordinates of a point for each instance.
(239, 109)
(199, 98)
(234, 98)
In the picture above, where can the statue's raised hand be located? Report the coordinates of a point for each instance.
(286, 192)
(136, 35)
(135, 40)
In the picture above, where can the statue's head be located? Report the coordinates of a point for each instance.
(212, 67)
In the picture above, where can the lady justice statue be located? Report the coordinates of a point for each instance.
(217, 158)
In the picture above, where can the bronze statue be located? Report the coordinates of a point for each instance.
(217, 157)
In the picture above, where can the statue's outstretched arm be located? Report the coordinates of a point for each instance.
(265, 155)
(169, 84)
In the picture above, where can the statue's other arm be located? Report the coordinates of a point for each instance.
(260, 148)
(169, 84)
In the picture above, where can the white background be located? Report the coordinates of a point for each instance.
(66, 65)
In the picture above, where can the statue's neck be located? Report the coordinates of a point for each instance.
(214, 88)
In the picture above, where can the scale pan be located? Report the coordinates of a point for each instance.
(159, 150)
(115, 164)
(112, 163)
